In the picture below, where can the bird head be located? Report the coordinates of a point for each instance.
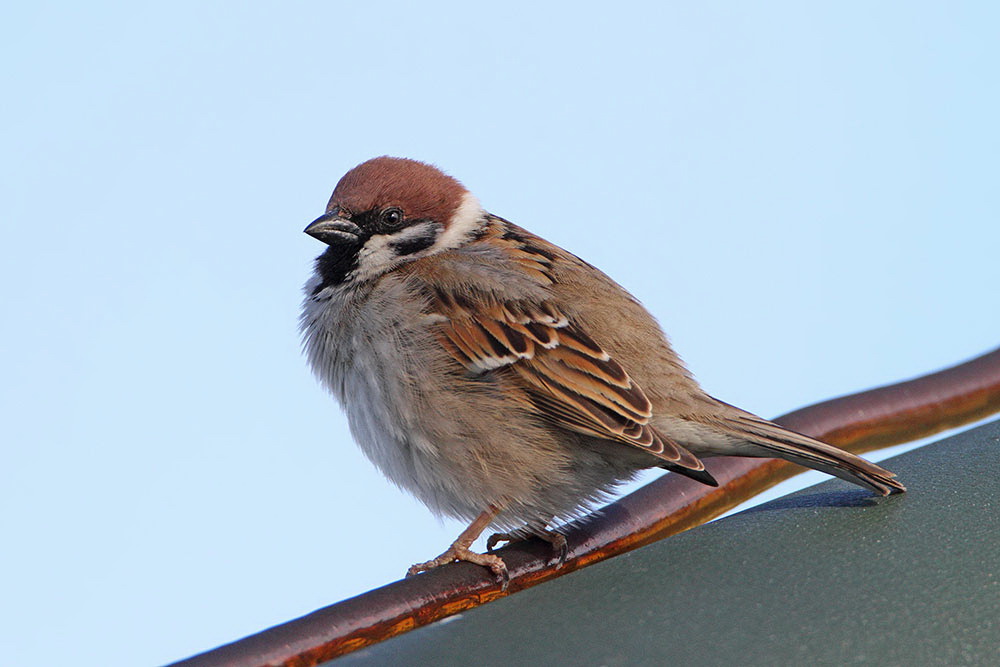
(388, 211)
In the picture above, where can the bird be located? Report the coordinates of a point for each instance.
(500, 379)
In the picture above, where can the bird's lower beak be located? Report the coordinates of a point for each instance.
(331, 229)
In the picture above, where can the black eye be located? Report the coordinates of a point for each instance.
(391, 218)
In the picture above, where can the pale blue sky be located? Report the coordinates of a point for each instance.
(806, 196)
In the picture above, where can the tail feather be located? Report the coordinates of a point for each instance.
(776, 441)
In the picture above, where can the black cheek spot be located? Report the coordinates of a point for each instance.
(415, 243)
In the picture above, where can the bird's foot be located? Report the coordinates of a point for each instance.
(461, 553)
(557, 540)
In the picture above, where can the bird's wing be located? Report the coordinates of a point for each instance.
(567, 376)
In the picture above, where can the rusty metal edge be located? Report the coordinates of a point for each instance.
(858, 422)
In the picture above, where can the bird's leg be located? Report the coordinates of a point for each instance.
(459, 550)
(557, 540)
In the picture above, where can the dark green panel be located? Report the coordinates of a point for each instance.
(828, 575)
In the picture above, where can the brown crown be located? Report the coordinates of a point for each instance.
(421, 190)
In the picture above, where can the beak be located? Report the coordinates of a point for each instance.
(332, 229)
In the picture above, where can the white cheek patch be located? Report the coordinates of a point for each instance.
(468, 218)
(375, 252)
(382, 252)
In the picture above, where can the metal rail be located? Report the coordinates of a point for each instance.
(859, 422)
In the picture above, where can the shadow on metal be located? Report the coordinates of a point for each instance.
(859, 423)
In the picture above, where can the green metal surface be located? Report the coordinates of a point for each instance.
(828, 575)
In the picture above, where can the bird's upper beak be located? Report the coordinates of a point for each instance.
(332, 229)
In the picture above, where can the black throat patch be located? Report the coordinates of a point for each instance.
(335, 263)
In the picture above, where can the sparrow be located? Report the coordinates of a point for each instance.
(499, 378)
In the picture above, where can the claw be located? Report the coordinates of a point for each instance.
(496, 538)
(503, 575)
(460, 553)
(459, 550)
(557, 540)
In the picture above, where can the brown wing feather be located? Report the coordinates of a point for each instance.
(572, 380)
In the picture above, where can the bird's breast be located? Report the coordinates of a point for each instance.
(374, 351)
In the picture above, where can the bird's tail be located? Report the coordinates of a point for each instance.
(767, 439)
